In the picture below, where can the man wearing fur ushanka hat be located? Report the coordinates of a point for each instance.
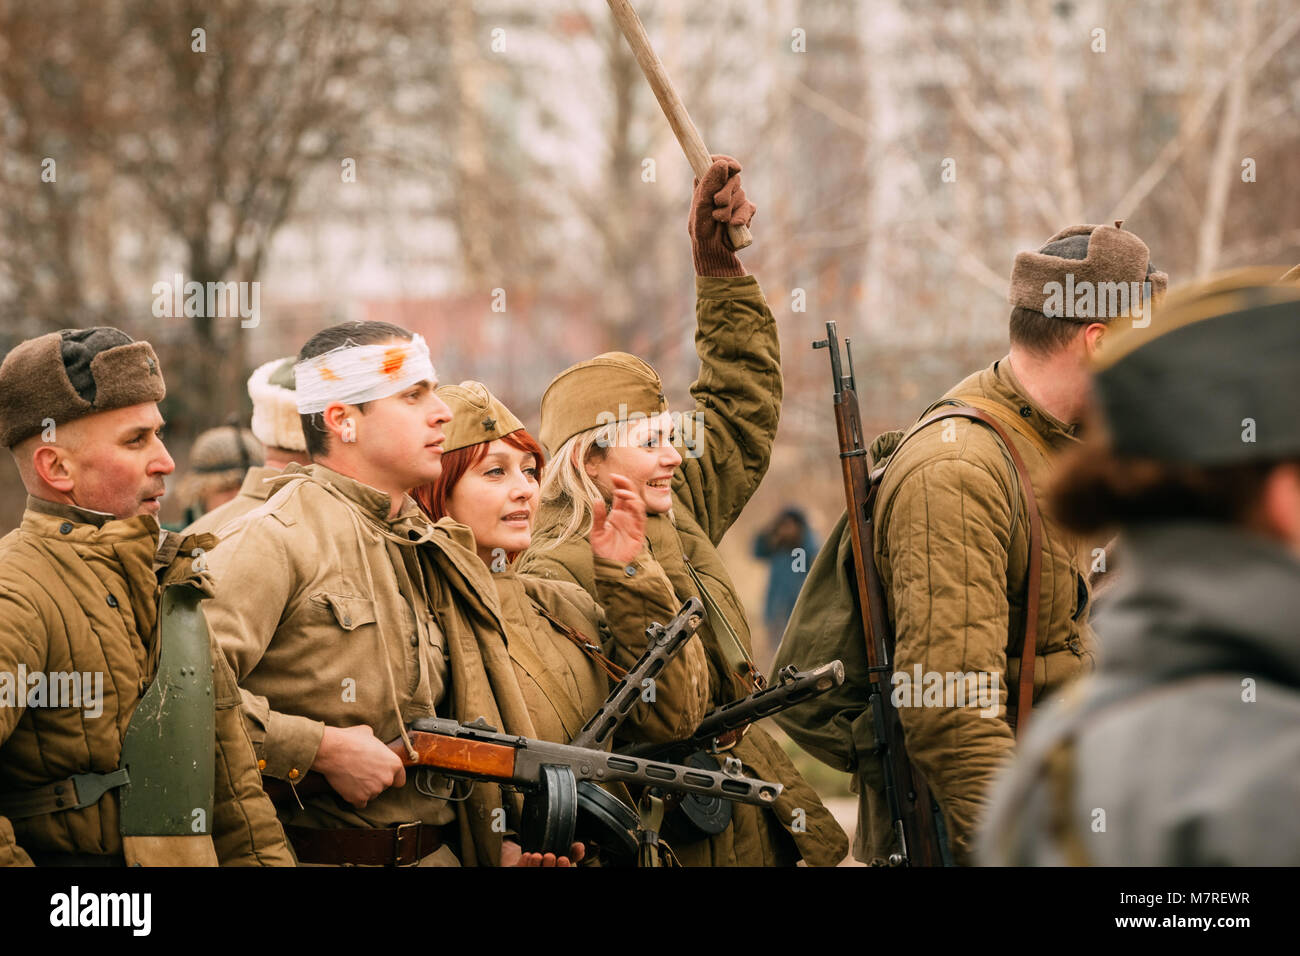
(610, 416)
(83, 582)
(973, 584)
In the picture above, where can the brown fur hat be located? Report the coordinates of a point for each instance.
(1114, 255)
(67, 375)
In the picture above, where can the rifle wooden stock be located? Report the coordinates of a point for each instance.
(454, 756)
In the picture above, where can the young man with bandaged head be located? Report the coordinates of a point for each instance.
(347, 615)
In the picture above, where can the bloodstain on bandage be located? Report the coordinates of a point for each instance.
(326, 375)
(394, 358)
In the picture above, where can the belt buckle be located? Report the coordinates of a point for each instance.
(401, 832)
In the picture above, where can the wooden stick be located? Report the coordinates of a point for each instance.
(680, 120)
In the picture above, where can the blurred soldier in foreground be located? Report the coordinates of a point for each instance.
(277, 427)
(82, 582)
(1184, 749)
(956, 540)
(219, 461)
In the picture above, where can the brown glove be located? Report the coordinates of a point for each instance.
(719, 201)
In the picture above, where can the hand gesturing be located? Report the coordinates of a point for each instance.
(619, 535)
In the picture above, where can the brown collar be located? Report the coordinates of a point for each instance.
(370, 500)
(58, 509)
(1000, 382)
(255, 485)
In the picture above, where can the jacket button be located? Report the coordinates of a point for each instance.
(293, 774)
(65, 528)
(112, 601)
(630, 570)
(415, 639)
(261, 765)
(347, 621)
(58, 789)
(1025, 411)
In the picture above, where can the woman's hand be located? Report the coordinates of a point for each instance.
(619, 535)
(512, 855)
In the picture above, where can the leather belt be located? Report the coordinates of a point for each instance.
(403, 845)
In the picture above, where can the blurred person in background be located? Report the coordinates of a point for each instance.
(1184, 748)
(219, 462)
(789, 547)
(277, 427)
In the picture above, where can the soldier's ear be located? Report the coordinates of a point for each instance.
(595, 454)
(53, 466)
(1093, 335)
(335, 417)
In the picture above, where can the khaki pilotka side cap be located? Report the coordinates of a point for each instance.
(1218, 352)
(477, 416)
(596, 392)
(1114, 255)
(70, 374)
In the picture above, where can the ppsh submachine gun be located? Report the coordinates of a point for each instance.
(550, 774)
(705, 814)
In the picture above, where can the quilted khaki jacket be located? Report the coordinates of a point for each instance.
(80, 591)
(366, 620)
(952, 548)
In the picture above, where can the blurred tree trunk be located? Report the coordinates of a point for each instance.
(1224, 170)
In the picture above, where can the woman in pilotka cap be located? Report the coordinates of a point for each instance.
(568, 647)
(609, 417)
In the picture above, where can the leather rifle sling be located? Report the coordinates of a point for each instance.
(1025, 695)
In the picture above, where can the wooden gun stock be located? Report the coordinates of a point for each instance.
(458, 756)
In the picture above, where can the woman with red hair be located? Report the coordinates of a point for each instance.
(566, 648)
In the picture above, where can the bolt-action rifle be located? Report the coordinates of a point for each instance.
(916, 817)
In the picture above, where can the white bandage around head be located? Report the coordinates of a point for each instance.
(353, 374)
